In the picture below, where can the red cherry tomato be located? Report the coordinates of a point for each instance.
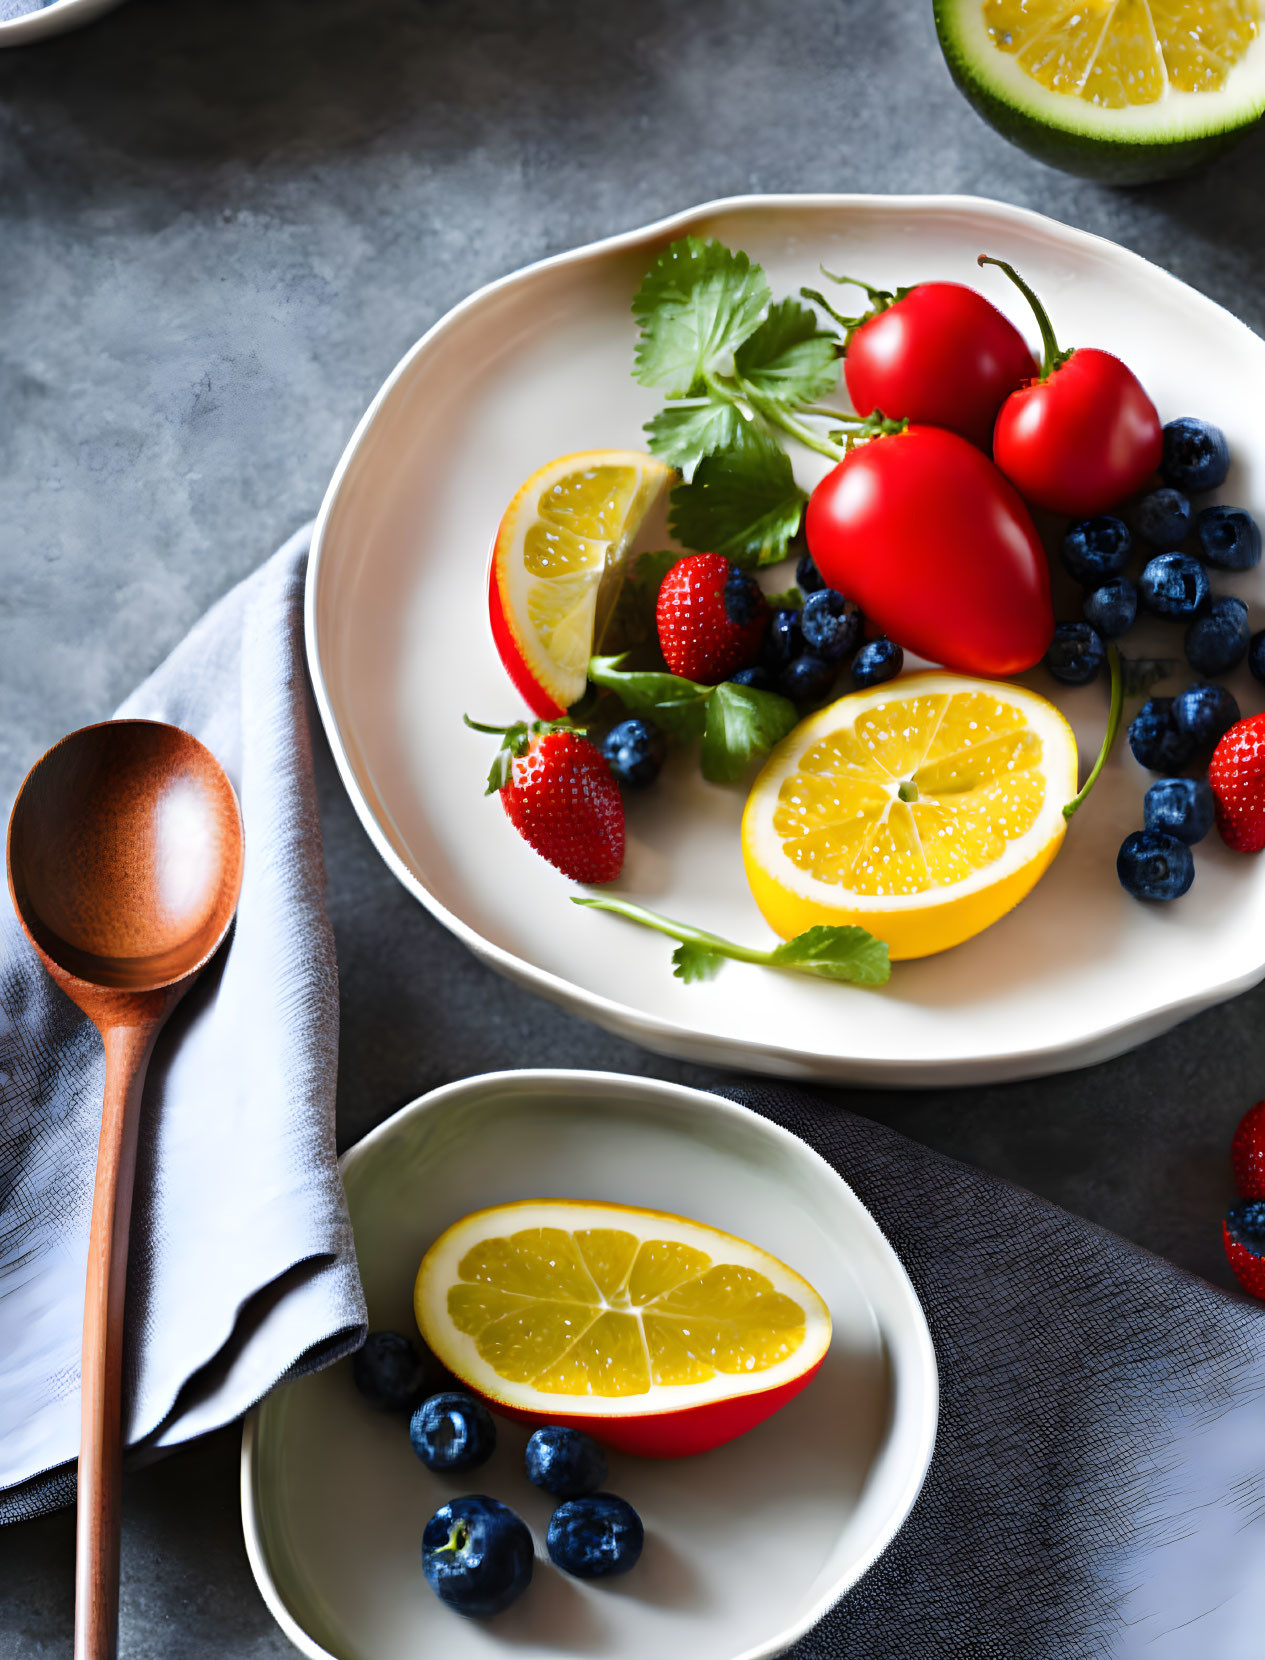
(936, 547)
(1082, 437)
(938, 353)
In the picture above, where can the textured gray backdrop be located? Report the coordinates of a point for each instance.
(221, 223)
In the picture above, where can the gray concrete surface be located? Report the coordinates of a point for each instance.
(221, 223)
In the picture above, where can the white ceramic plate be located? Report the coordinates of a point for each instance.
(746, 1546)
(399, 647)
(52, 20)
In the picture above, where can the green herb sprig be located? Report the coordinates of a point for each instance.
(743, 372)
(844, 953)
(731, 724)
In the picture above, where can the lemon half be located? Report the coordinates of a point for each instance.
(921, 810)
(1124, 90)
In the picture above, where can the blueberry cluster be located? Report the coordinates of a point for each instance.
(1177, 546)
(807, 646)
(477, 1553)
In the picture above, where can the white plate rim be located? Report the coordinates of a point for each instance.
(675, 1037)
(909, 1346)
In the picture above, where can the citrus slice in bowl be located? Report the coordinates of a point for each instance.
(558, 564)
(1125, 90)
(922, 810)
(658, 1335)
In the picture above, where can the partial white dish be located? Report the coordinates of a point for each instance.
(539, 364)
(52, 20)
(747, 1546)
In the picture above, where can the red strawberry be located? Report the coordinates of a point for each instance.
(1244, 1234)
(711, 618)
(1247, 1153)
(559, 795)
(1237, 775)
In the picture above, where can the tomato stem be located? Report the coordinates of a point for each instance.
(776, 416)
(1109, 737)
(1053, 356)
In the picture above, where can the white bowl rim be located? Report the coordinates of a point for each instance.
(920, 1405)
(656, 1031)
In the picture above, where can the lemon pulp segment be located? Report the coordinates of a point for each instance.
(971, 776)
(1118, 53)
(598, 1311)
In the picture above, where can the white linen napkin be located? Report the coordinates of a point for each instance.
(242, 1268)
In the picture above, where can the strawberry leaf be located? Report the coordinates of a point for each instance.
(743, 502)
(696, 305)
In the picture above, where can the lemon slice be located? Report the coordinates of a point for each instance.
(1120, 89)
(557, 564)
(922, 810)
(659, 1334)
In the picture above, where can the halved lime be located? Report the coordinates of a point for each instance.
(1122, 90)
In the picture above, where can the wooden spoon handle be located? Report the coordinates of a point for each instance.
(127, 1052)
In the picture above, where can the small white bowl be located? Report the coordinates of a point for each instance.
(52, 20)
(746, 1546)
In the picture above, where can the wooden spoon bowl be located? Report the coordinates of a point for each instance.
(125, 864)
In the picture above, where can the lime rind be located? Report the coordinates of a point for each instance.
(1130, 145)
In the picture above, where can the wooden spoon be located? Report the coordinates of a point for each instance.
(125, 863)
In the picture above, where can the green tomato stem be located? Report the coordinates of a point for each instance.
(776, 416)
(1054, 356)
(682, 932)
(1109, 738)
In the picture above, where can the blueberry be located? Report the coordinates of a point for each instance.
(758, 678)
(390, 1372)
(1098, 548)
(634, 752)
(477, 1555)
(783, 640)
(808, 579)
(565, 1462)
(1076, 653)
(1229, 538)
(1196, 455)
(1152, 865)
(1181, 807)
(1163, 519)
(452, 1431)
(876, 662)
(1256, 656)
(743, 598)
(1245, 1224)
(1204, 713)
(595, 1536)
(1113, 608)
(831, 625)
(806, 678)
(1219, 641)
(1156, 739)
(1174, 585)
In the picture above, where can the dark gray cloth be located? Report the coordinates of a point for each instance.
(1098, 1485)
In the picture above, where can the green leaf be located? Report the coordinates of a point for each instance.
(649, 570)
(789, 358)
(836, 954)
(743, 503)
(790, 599)
(682, 434)
(741, 723)
(696, 305)
(693, 961)
(678, 706)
